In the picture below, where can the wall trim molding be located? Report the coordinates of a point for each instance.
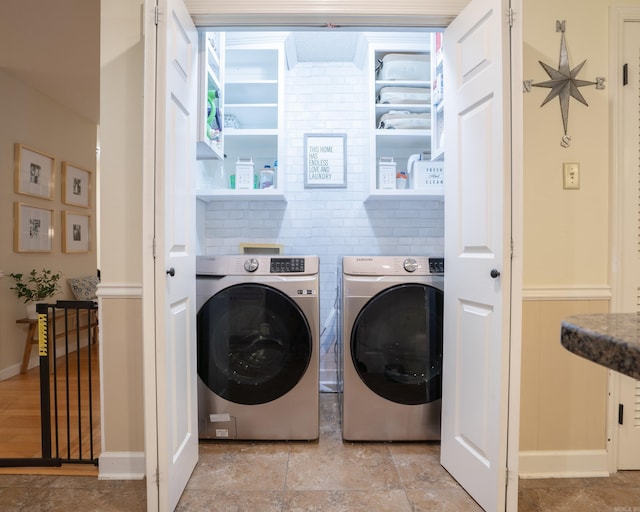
(121, 466)
(119, 290)
(317, 13)
(564, 464)
(567, 293)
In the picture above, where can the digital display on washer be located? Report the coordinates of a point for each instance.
(286, 265)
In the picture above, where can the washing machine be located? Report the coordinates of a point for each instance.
(390, 365)
(258, 331)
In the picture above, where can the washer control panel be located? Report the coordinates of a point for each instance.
(436, 265)
(286, 265)
(410, 265)
(251, 265)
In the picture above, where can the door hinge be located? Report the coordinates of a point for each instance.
(157, 477)
(153, 248)
(625, 74)
(510, 16)
(620, 414)
(155, 14)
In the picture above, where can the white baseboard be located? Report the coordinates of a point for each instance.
(121, 466)
(34, 360)
(564, 464)
(10, 371)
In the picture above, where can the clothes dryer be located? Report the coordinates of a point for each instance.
(390, 366)
(258, 327)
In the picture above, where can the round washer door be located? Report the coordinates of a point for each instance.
(396, 344)
(254, 344)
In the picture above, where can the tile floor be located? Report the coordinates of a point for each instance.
(328, 475)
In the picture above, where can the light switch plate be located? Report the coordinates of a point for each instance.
(571, 175)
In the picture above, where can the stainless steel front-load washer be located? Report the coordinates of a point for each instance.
(258, 343)
(390, 365)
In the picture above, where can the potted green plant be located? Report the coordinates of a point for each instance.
(36, 287)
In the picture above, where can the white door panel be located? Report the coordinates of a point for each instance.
(175, 375)
(471, 387)
(477, 241)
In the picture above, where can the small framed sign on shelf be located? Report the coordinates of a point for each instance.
(324, 160)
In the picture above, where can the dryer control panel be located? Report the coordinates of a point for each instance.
(286, 265)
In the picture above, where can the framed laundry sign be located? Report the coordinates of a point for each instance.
(324, 160)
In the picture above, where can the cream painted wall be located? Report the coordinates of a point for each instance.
(563, 396)
(566, 232)
(123, 400)
(120, 295)
(32, 119)
(120, 136)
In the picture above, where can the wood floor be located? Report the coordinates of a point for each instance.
(20, 430)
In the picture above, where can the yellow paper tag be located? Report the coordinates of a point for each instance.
(43, 346)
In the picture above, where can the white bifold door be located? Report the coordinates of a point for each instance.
(476, 354)
(171, 387)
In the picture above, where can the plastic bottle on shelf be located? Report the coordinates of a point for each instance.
(266, 177)
(275, 172)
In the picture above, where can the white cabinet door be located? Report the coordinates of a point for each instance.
(477, 242)
(173, 383)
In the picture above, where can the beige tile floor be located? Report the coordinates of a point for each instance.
(329, 475)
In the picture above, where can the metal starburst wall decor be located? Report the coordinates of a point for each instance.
(564, 83)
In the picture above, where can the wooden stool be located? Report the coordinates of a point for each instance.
(32, 333)
(31, 338)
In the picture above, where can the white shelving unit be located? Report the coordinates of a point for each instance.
(437, 105)
(253, 120)
(210, 143)
(398, 144)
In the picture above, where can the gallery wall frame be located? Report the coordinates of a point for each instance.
(325, 155)
(76, 233)
(76, 185)
(32, 228)
(33, 172)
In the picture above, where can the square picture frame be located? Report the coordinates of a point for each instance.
(76, 185)
(325, 156)
(32, 228)
(33, 172)
(76, 233)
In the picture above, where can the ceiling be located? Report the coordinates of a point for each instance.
(326, 46)
(54, 47)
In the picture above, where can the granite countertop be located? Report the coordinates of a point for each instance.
(609, 339)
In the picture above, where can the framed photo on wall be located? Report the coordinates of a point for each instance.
(33, 172)
(75, 232)
(76, 185)
(32, 228)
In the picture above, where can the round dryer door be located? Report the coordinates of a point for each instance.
(396, 344)
(254, 344)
